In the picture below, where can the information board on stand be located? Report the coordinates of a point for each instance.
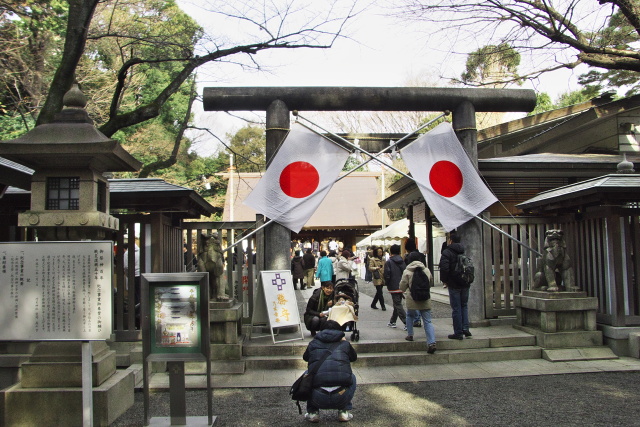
(56, 290)
(280, 302)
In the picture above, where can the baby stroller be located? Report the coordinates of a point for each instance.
(348, 289)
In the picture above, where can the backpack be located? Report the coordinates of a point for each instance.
(464, 270)
(420, 286)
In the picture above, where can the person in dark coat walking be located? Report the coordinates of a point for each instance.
(458, 289)
(334, 384)
(309, 262)
(393, 269)
(297, 270)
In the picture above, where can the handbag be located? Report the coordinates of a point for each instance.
(303, 386)
(376, 274)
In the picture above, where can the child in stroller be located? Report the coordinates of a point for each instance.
(345, 306)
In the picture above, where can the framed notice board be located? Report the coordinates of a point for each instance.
(175, 310)
(175, 329)
(56, 290)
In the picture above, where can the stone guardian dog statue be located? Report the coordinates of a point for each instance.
(555, 271)
(211, 259)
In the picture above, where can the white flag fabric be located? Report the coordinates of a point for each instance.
(298, 178)
(446, 177)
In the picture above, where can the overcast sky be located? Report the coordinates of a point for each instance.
(381, 51)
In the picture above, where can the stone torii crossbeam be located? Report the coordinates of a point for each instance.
(278, 102)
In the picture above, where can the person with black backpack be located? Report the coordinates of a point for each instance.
(417, 279)
(393, 269)
(454, 266)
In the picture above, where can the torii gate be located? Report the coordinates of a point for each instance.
(278, 102)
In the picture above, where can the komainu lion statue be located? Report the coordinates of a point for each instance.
(211, 259)
(555, 272)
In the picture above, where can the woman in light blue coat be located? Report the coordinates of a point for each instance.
(324, 272)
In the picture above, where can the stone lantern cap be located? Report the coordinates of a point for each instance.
(70, 141)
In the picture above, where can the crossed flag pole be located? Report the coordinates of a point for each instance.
(371, 158)
(376, 157)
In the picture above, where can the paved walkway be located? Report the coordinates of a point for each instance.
(523, 392)
(372, 326)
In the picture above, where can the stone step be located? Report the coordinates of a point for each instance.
(137, 371)
(218, 367)
(576, 354)
(364, 347)
(442, 356)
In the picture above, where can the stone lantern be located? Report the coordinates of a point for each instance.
(69, 193)
(69, 201)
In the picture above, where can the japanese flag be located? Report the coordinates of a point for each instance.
(298, 178)
(446, 177)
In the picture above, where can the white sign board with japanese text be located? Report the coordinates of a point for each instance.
(56, 290)
(280, 299)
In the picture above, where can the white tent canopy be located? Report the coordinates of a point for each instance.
(393, 234)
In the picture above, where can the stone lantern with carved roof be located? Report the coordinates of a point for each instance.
(69, 193)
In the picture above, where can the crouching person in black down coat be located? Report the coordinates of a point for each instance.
(334, 384)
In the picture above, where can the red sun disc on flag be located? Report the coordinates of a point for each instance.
(446, 178)
(299, 179)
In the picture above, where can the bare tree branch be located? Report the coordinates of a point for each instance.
(572, 31)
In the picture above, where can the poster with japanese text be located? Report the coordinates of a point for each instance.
(280, 298)
(56, 290)
(175, 315)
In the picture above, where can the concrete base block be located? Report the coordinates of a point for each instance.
(634, 345)
(10, 368)
(63, 406)
(575, 354)
(226, 324)
(566, 339)
(218, 367)
(620, 339)
(191, 421)
(226, 351)
(127, 353)
(67, 374)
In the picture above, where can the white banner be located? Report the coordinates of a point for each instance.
(56, 290)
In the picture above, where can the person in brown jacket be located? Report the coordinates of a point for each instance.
(376, 266)
(418, 309)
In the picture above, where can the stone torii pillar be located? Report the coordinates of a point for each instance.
(462, 102)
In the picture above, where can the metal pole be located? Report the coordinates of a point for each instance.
(372, 157)
(375, 157)
(248, 235)
(508, 235)
(87, 385)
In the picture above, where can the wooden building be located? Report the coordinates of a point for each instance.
(569, 150)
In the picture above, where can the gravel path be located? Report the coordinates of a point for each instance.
(603, 399)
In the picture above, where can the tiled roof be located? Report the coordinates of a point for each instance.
(627, 185)
(143, 185)
(352, 202)
(13, 165)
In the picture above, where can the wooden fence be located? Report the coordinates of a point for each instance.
(162, 247)
(604, 246)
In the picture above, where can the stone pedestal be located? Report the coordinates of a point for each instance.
(558, 319)
(226, 337)
(51, 381)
